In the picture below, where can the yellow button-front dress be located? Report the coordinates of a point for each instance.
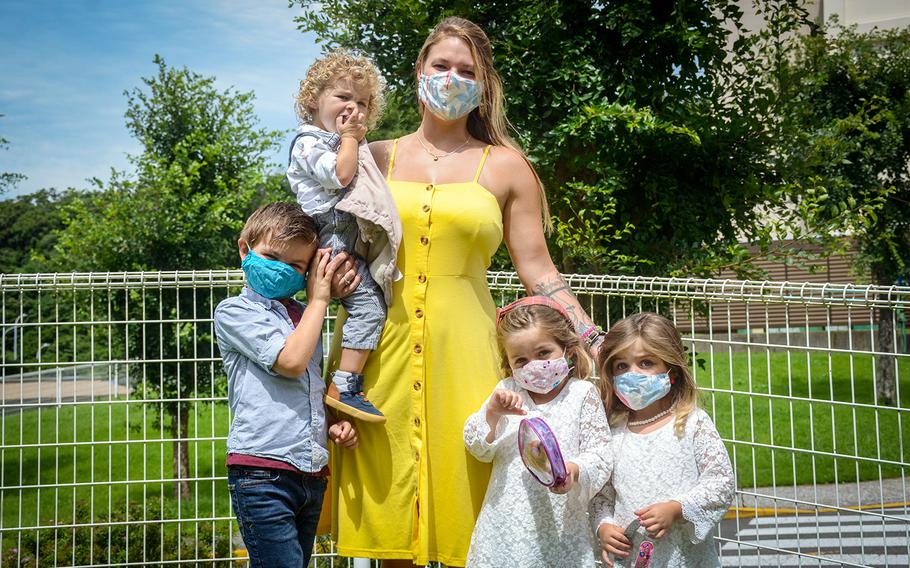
(411, 490)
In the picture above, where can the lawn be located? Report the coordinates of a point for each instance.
(99, 447)
(797, 428)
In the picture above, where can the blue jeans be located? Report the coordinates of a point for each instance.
(277, 512)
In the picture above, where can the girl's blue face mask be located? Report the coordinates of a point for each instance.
(271, 278)
(638, 390)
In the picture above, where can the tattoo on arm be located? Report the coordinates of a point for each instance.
(550, 288)
(557, 289)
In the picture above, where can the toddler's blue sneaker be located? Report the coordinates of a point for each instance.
(349, 398)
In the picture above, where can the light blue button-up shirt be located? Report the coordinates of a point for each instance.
(274, 417)
(311, 172)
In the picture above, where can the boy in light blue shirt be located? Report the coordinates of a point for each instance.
(271, 345)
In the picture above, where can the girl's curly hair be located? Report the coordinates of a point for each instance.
(340, 64)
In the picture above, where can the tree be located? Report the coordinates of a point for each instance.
(653, 145)
(202, 170)
(847, 141)
(28, 225)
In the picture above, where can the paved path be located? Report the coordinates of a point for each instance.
(850, 494)
(61, 386)
(826, 539)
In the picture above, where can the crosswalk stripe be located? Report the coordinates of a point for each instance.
(896, 560)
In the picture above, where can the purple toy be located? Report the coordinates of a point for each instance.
(540, 452)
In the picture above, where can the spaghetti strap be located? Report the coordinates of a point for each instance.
(483, 160)
(388, 176)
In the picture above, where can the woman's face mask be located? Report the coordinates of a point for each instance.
(448, 95)
(271, 278)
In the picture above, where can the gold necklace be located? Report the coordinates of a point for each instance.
(437, 156)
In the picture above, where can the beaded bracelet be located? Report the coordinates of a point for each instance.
(591, 335)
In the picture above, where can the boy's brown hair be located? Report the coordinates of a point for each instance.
(281, 222)
(337, 65)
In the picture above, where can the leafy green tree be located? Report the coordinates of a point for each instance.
(651, 141)
(28, 225)
(846, 137)
(202, 170)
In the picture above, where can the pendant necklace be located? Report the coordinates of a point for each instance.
(437, 156)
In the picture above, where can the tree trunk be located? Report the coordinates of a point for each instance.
(180, 427)
(884, 364)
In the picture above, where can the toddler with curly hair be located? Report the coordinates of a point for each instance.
(336, 181)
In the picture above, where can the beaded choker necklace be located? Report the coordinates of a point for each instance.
(657, 416)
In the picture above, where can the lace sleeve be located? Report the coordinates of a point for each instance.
(475, 434)
(705, 504)
(601, 509)
(595, 458)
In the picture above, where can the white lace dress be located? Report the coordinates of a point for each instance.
(521, 522)
(658, 466)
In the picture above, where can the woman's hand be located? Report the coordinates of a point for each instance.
(345, 280)
(659, 517)
(613, 541)
(571, 479)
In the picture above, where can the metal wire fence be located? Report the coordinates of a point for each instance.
(113, 417)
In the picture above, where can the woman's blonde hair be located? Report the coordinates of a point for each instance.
(661, 338)
(552, 323)
(328, 70)
(488, 122)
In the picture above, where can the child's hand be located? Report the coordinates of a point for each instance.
(571, 478)
(659, 517)
(505, 402)
(352, 126)
(319, 276)
(343, 434)
(612, 541)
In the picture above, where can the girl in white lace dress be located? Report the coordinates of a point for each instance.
(671, 470)
(521, 522)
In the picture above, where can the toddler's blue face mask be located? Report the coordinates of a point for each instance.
(271, 278)
(638, 390)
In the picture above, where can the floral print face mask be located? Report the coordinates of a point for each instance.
(448, 95)
(541, 375)
(638, 390)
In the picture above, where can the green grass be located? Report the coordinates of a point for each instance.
(817, 426)
(802, 427)
(94, 461)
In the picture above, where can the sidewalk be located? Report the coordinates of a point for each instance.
(788, 500)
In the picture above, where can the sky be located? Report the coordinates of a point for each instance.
(65, 65)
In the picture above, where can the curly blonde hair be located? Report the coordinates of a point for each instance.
(338, 65)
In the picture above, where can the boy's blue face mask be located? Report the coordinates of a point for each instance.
(271, 278)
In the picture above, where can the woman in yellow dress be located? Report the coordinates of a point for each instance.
(411, 492)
